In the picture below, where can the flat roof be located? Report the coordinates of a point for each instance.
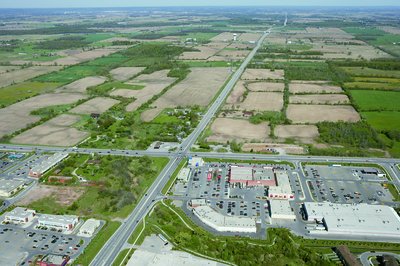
(283, 184)
(184, 173)
(280, 207)
(49, 162)
(90, 225)
(59, 219)
(20, 212)
(10, 185)
(252, 175)
(356, 218)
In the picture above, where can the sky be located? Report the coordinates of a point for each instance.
(139, 3)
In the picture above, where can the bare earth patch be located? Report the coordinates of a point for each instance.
(263, 101)
(313, 88)
(225, 129)
(20, 75)
(320, 99)
(223, 37)
(267, 147)
(17, 116)
(301, 113)
(81, 85)
(198, 88)
(262, 74)
(249, 37)
(56, 131)
(125, 73)
(63, 195)
(154, 84)
(97, 105)
(236, 95)
(304, 133)
(266, 86)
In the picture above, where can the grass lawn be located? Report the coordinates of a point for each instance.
(103, 89)
(382, 121)
(367, 100)
(24, 90)
(208, 63)
(395, 149)
(165, 118)
(121, 256)
(173, 177)
(97, 243)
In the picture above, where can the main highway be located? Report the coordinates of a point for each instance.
(116, 242)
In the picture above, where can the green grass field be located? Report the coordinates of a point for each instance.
(372, 85)
(20, 91)
(367, 100)
(382, 121)
(70, 74)
(370, 72)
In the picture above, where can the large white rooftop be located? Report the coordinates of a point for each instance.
(355, 219)
(10, 184)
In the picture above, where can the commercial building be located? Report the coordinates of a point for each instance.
(196, 162)
(354, 219)
(39, 169)
(197, 202)
(89, 228)
(183, 175)
(9, 187)
(58, 222)
(52, 260)
(245, 176)
(282, 190)
(224, 223)
(281, 209)
(19, 216)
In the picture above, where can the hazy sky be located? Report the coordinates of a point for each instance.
(123, 3)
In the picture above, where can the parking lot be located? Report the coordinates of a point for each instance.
(346, 185)
(27, 243)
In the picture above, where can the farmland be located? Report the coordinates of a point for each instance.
(367, 100)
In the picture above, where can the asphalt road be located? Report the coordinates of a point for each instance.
(364, 256)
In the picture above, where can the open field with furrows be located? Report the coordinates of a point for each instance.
(205, 52)
(234, 54)
(57, 131)
(319, 99)
(24, 90)
(307, 113)
(236, 95)
(81, 85)
(227, 129)
(262, 101)
(367, 100)
(153, 84)
(198, 88)
(262, 74)
(266, 86)
(371, 72)
(21, 75)
(348, 51)
(125, 73)
(5, 69)
(390, 29)
(304, 133)
(249, 37)
(223, 37)
(17, 116)
(296, 88)
(96, 105)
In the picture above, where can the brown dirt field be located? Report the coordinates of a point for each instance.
(236, 45)
(296, 131)
(263, 147)
(320, 99)
(236, 95)
(84, 56)
(154, 83)
(96, 105)
(17, 116)
(307, 113)
(225, 129)
(204, 53)
(56, 132)
(63, 195)
(262, 101)
(266, 86)
(198, 88)
(389, 29)
(4, 69)
(313, 88)
(262, 74)
(348, 51)
(20, 75)
(249, 37)
(125, 73)
(223, 37)
(81, 85)
(238, 54)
